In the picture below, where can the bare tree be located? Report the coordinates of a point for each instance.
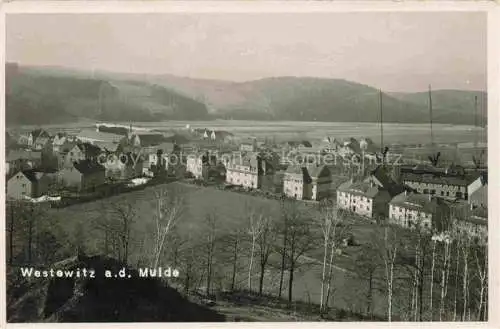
(300, 240)
(211, 222)
(265, 242)
(445, 270)
(465, 283)
(283, 229)
(482, 271)
(168, 211)
(124, 214)
(332, 230)
(256, 223)
(433, 265)
(389, 250)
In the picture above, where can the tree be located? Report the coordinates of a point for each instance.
(366, 266)
(389, 250)
(211, 222)
(125, 215)
(256, 223)
(300, 240)
(332, 229)
(282, 228)
(168, 211)
(265, 242)
(481, 261)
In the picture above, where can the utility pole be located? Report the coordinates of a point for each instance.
(475, 121)
(430, 115)
(381, 123)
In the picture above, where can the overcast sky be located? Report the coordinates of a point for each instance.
(392, 51)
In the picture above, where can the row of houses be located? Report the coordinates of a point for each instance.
(420, 200)
(82, 162)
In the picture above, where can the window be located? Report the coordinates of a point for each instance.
(442, 193)
(458, 194)
(433, 192)
(23, 185)
(426, 191)
(447, 193)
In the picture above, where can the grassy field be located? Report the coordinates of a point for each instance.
(231, 210)
(287, 130)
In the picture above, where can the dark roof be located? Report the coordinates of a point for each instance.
(149, 139)
(359, 188)
(89, 149)
(317, 171)
(439, 178)
(415, 201)
(33, 175)
(39, 133)
(88, 167)
(14, 155)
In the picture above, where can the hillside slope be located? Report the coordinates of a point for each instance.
(99, 299)
(64, 95)
(38, 97)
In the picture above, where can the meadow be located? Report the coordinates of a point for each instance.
(231, 211)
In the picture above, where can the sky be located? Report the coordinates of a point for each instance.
(388, 50)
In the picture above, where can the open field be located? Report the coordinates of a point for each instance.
(286, 130)
(231, 210)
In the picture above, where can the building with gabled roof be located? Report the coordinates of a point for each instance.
(363, 198)
(27, 183)
(411, 210)
(244, 170)
(470, 220)
(84, 175)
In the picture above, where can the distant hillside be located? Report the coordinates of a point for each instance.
(447, 104)
(35, 96)
(294, 98)
(63, 95)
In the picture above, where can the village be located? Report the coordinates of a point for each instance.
(360, 177)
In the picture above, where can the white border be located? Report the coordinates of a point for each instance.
(153, 6)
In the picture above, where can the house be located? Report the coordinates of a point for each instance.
(249, 146)
(145, 139)
(78, 152)
(27, 183)
(363, 198)
(470, 220)
(244, 170)
(331, 145)
(382, 178)
(199, 164)
(410, 209)
(442, 183)
(479, 198)
(123, 167)
(297, 183)
(368, 146)
(273, 182)
(84, 175)
(58, 141)
(321, 181)
(34, 135)
(22, 160)
(41, 143)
